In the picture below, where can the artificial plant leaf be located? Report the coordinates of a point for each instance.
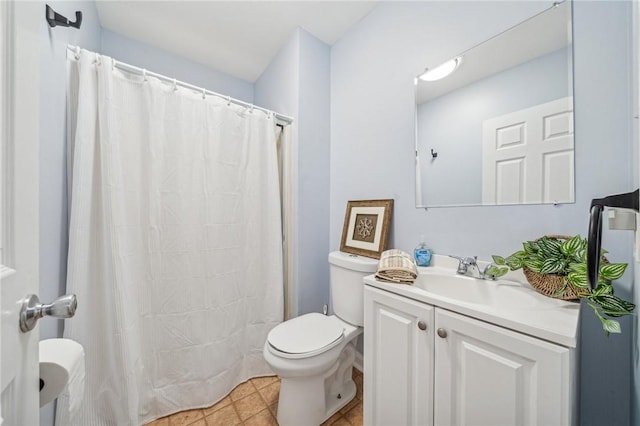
(542, 247)
(551, 266)
(513, 262)
(612, 271)
(530, 247)
(498, 260)
(520, 254)
(561, 290)
(602, 288)
(497, 270)
(578, 279)
(612, 305)
(533, 264)
(582, 255)
(578, 267)
(550, 246)
(610, 326)
(572, 245)
(583, 243)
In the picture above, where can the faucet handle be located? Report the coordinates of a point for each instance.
(462, 264)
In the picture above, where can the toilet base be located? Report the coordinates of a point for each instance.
(312, 400)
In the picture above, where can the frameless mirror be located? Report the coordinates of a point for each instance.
(499, 129)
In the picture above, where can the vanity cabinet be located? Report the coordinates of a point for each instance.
(398, 361)
(425, 365)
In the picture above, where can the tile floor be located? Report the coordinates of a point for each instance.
(255, 402)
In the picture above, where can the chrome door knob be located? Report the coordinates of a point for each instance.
(442, 332)
(32, 310)
(422, 325)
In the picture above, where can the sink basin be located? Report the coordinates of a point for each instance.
(500, 294)
(510, 302)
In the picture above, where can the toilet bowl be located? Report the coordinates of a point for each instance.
(314, 353)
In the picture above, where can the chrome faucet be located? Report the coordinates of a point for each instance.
(465, 262)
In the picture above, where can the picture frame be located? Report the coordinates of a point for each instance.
(366, 227)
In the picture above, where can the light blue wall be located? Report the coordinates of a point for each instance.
(141, 55)
(278, 87)
(372, 131)
(313, 173)
(452, 124)
(602, 35)
(53, 164)
(297, 83)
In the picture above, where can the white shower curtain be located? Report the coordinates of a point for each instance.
(175, 249)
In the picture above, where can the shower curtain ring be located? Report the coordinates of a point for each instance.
(77, 52)
(204, 94)
(144, 74)
(228, 100)
(175, 85)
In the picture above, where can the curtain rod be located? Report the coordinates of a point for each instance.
(281, 118)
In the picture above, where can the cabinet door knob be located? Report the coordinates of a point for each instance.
(442, 332)
(422, 325)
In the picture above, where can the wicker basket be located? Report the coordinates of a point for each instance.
(550, 284)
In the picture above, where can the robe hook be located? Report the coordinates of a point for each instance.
(434, 154)
(55, 19)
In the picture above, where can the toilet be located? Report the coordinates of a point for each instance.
(313, 354)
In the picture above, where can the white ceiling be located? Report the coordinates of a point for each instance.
(237, 37)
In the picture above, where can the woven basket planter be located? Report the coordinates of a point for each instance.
(550, 284)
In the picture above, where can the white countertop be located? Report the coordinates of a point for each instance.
(509, 302)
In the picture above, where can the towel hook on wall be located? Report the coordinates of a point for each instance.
(434, 154)
(55, 19)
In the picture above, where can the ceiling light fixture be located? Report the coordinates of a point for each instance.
(441, 71)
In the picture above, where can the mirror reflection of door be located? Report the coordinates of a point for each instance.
(527, 155)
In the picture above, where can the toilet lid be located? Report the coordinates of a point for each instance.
(307, 334)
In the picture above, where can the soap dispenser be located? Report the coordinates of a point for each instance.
(422, 253)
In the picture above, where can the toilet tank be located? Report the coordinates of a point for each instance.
(346, 272)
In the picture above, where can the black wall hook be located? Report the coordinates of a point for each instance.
(55, 19)
(434, 154)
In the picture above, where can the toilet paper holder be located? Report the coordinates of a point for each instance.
(32, 310)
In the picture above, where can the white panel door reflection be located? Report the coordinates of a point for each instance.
(528, 155)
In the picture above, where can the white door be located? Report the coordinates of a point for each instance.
(487, 375)
(398, 362)
(528, 155)
(19, 97)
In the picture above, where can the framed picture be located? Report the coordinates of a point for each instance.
(366, 227)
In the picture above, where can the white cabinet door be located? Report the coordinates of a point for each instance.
(528, 155)
(488, 375)
(398, 361)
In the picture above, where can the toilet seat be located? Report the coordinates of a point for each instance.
(305, 336)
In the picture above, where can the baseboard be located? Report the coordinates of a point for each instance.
(358, 363)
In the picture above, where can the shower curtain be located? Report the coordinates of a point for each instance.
(175, 245)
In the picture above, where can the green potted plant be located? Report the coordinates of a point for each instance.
(556, 266)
